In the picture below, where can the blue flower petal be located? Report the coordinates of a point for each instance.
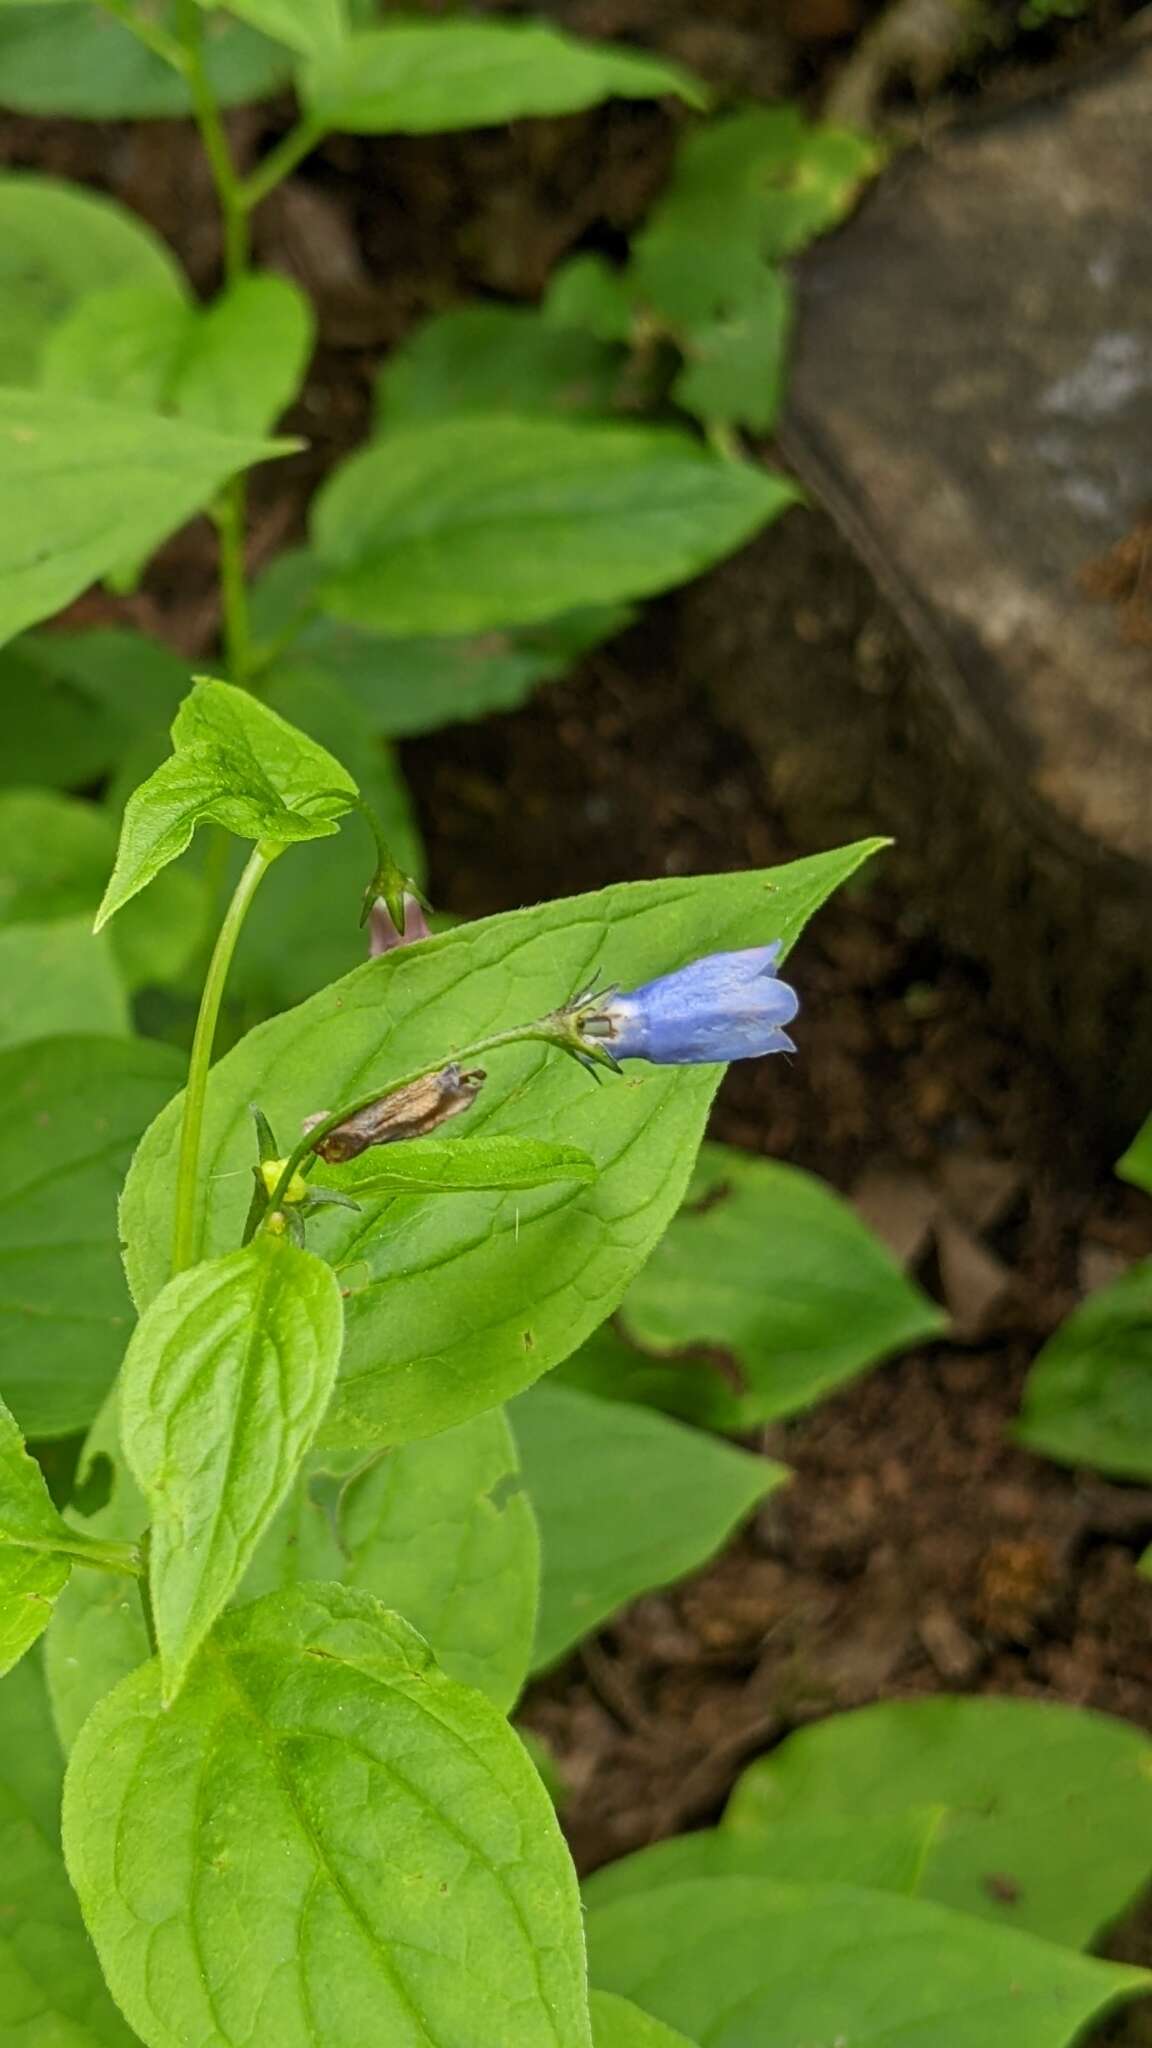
(728, 1006)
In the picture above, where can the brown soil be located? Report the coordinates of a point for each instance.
(917, 1549)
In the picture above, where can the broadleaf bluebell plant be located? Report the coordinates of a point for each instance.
(721, 1007)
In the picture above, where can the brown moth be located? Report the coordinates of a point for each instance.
(409, 1112)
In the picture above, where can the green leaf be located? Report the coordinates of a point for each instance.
(590, 293)
(427, 77)
(37, 1547)
(121, 345)
(766, 1262)
(486, 522)
(246, 354)
(694, 1389)
(626, 1501)
(418, 1357)
(97, 1634)
(403, 686)
(442, 1531)
(738, 1962)
(52, 1992)
(703, 247)
(1048, 1809)
(56, 853)
(33, 1567)
(53, 975)
(753, 186)
(311, 26)
(74, 1108)
(617, 2023)
(84, 487)
(1088, 1397)
(223, 1388)
(75, 60)
(831, 168)
(238, 764)
(885, 1853)
(232, 366)
(428, 1164)
(1136, 1164)
(735, 366)
(484, 359)
(58, 244)
(368, 1836)
(75, 701)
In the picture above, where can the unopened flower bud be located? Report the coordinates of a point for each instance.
(383, 936)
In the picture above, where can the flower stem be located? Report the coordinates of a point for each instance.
(304, 1155)
(229, 191)
(280, 162)
(186, 1231)
(229, 517)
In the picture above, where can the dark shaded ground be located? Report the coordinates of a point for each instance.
(917, 1549)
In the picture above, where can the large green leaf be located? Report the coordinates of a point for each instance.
(76, 60)
(886, 1853)
(223, 1388)
(504, 359)
(767, 1263)
(423, 77)
(1088, 1397)
(403, 685)
(235, 763)
(85, 487)
(74, 1108)
(617, 2023)
(369, 1838)
(739, 1963)
(59, 243)
(1047, 1809)
(491, 521)
(52, 1993)
(446, 1316)
(54, 975)
(441, 1531)
(74, 702)
(626, 1501)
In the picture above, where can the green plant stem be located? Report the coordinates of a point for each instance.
(305, 1156)
(280, 162)
(212, 133)
(155, 39)
(109, 1557)
(229, 516)
(186, 1233)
